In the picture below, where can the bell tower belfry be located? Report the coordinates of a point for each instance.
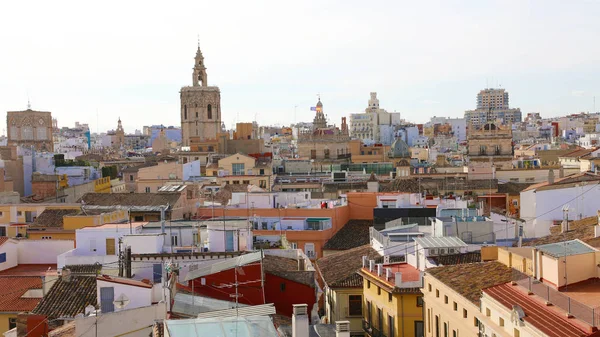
(200, 77)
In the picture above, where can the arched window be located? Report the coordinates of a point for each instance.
(209, 111)
(185, 112)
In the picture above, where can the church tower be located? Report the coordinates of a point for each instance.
(200, 108)
(119, 135)
(319, 122)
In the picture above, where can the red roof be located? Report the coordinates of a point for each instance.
(3, 239)
(13, 287)
(28, 270)
(124, 281)
(548, 321)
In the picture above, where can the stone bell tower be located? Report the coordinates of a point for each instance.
(200, 106)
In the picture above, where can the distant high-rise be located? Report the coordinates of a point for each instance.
(493, 104)
(200, 107)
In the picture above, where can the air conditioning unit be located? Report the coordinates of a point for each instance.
(442, 251)
(452, 251)
(433, 251)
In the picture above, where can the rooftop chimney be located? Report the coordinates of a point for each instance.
(398, 279)
(371, 265)
(364, 261)
(379, 269)
(300, 320)
(342, 329)
(551, 176)
(388, 274)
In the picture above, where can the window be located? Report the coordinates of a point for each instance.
(131, 177)
(488, 313)
(196, 114)
(445, 299)
(529, 180)
(354, 305)
(390, 297)
(174, 240)
(246, 182)
(391, 326)
(437, 293)
(419, 328)
(209, 111)
(501, 321)
(419, 301)
(454, 333)
(12, 323)
(282, 287)
(185, 112)
(369, 312)
(238, 169)
(46, 238)
(514, 180)
(236, 182)
(313, 154)
(263, 184)
(157, 272)
(262, 172)
(388, 204)
(27, 133)
(107, 296)
(147, 189)
(464, 313)
(19, 213)
(429, 287)
(40, 133)
(138, 218)
(368, 284)
(455, 306)
(326, 153)
(445, 329)
(2, 257)
(378, 290)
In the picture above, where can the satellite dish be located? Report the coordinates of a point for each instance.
(121, 301)
(89, 309)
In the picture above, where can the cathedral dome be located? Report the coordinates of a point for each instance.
(319, 104)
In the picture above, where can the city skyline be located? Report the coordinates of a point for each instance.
(269, 58)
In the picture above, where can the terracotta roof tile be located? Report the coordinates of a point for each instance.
(338, 270)
(579, 229)
(537, 313)
(53, 217)
(354, 234)
(125, 281)
(469, 279)
(3, 239)
(13, 287)
(130, 199)
(288, 269)
(68, 298)
(67, 330)
(28, 270)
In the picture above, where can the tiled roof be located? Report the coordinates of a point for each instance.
(13, 287)
(288, 269)
(440, 242)
(136, 168)
(3, 239)
(354, 234)
(158, 329)
(580, 229)
(550, 322)
(579, 153)
(68, 298)
(512, 188)
(130, 199)
(53, 217)
(469, 279)
(125, 281)
(28, 270)
(84, 269)
(572, 179)
(448, 260)
(67, 330)
(338, 270)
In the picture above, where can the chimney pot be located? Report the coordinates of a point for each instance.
(300, 320)
(364, 261)
(342, 328)
(371, 265)
(388, 274)
(379, 269)
(398, 279)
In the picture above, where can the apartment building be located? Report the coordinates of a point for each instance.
(392, 298)
(492, 105)
(240, 169)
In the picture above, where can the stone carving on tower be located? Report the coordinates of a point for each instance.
(200, 108)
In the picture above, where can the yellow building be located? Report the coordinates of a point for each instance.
(361, 153)
(343, 286)
(452, 297)
(239, 169)
(102, 185)
(15, 218)
(61, 224)
(393, 303)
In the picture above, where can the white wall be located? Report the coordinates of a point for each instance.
(138, 296)
(71, 258)
(216, 237)
(89, 239)
(42, 251)
(144, 243)
(191, 170)
(131, 323)
(10, 249)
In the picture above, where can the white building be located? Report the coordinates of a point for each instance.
(542, 204)
(228, 235)
(366, 126)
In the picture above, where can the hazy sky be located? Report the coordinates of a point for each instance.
(424, 58)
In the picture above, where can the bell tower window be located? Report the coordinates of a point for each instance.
(209, 111)
(185, 112)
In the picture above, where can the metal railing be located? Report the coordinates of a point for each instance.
(583, 312)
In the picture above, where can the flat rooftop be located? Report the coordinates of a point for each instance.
(565, 248)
